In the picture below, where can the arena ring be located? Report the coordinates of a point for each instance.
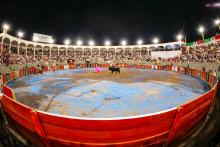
(160, 128)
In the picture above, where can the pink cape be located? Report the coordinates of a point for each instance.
(97, 69)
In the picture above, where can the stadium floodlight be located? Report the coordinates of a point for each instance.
(107, 42)
(52, 41)
(123, 42)
(6, 27)
(155, 40)
(66, 41)
(20, 34)
(91, 43)
(140, 42)
(79, 42)
(217, 22)
(179, 37)
(201, 31)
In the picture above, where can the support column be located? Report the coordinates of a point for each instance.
(26, 50)
(50, 53)
(10, 48)
(18, 47)
(66, 51)
(34, 51)
(2, 49)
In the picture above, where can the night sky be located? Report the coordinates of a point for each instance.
(110, 19)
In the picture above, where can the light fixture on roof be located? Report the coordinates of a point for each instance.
(107, 42)
(217, 22)
(155, 40)
(66, 41)
(201, 31)
(123, 42)
(140, 42)
(91, 43)
(79, 42)
(6, 27)
(20, 34)
(179, 37)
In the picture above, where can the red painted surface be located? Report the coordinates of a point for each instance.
(107, 131)
(4, 79)
(157, 129)
(194, 72)
(217, 37)
(12, 75)
(72, 66)
(169, 67)
(8, 92)
(18, 112)
(39, 128)
(203, 75)
(21, 72)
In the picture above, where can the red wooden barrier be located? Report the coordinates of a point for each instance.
(126, 65)
(39, 128)
(18, 112)
(4, 79)
(194, 72)
(21, 73)
(203, 75)
(148, 66)
(8, 92)
(45, 69)
(107, 132)
(159, 67)
(156, 129)
(93, 65)
(178, 69)
(211, 80)
(169, 67)
(83, 65)
(186, 70)
(32, 70)
(193, 113)
(175, 126)
(12, 75)
(72, 66)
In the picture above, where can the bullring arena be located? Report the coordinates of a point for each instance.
(70, 104)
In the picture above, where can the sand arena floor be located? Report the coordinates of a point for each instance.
(82, 93)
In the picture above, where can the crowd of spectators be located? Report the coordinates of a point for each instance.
(202, 54)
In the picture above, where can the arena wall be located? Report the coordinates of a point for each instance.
(162, 128)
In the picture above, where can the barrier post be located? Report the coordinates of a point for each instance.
(174, 127)
(38, 127)
(178, 69)
(4, 79)
(203, 75)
